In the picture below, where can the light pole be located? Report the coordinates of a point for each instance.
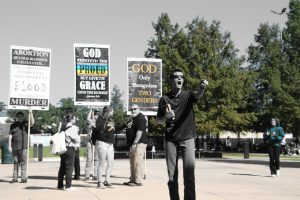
(283, 11)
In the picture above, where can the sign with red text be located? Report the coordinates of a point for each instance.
(144, 84)
(29, 78)
(92, 73)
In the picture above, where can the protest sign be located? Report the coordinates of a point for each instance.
(29, 78)
(144, 84)
(92, 74)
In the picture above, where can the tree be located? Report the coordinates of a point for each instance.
(292, 72)
(118, 107)
(275, 61)
(2, 106)
(202, 51)
(265, 58)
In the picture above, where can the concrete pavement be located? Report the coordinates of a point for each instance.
(215, 180)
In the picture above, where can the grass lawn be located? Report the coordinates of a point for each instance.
(47, 152)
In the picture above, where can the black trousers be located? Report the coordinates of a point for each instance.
(187, 150)
(77, 164)
(274, 155)
(66, 167)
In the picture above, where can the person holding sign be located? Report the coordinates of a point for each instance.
(176, 110)
(91, 121)
(104, 146)
(17, 144)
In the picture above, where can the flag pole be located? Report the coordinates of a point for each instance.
(28, 137)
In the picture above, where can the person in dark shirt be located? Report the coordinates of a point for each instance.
(17, 144)
(104, 146)
(137, 149)
(273, 138)
(176, 110)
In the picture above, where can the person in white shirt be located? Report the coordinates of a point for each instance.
(67, 159)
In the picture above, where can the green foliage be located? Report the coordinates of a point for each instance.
(202, 51)
(119, 115)
(2, 106)
(275, 63)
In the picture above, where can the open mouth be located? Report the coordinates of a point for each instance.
(179, 82)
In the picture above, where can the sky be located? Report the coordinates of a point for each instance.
(125, 25)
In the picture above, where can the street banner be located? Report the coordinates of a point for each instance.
(92, 74)
(29, 78)
(144, 84)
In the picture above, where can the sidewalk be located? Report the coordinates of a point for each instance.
(215, 180)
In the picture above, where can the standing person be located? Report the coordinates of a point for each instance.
(104, 146)
(17, 144)
(176, 110)
(91, 120)
(273, 138)
(67, 159)
(138, 143)
(62, 125)
(228, 143)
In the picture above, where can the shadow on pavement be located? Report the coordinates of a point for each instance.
(283, 164)
(43, 177)
(3, 181)
(236, 174)
(39, 188)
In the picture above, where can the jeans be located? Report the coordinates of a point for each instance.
(20, 160)
(137, 163)
(187, 149)
(66, 167)
(274, 155)
(105, 153)
(89, 160)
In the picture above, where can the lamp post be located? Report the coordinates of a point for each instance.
(283, 11)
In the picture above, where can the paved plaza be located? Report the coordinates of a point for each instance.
(224, 179)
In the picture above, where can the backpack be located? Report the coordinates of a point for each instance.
(59, 142)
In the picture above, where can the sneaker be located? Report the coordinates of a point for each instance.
(14, 181)
(70, 189)
(95, 178)
(61, 188)
(109, 185)
(273, 175)
(100, 185)
(278, 172)
(86, 179)
(24, 180)
(76, 178)
(129, 183)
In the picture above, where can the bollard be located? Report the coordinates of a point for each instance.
(246, 150)
(35, 151)
(205, 147)
(40, 150)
